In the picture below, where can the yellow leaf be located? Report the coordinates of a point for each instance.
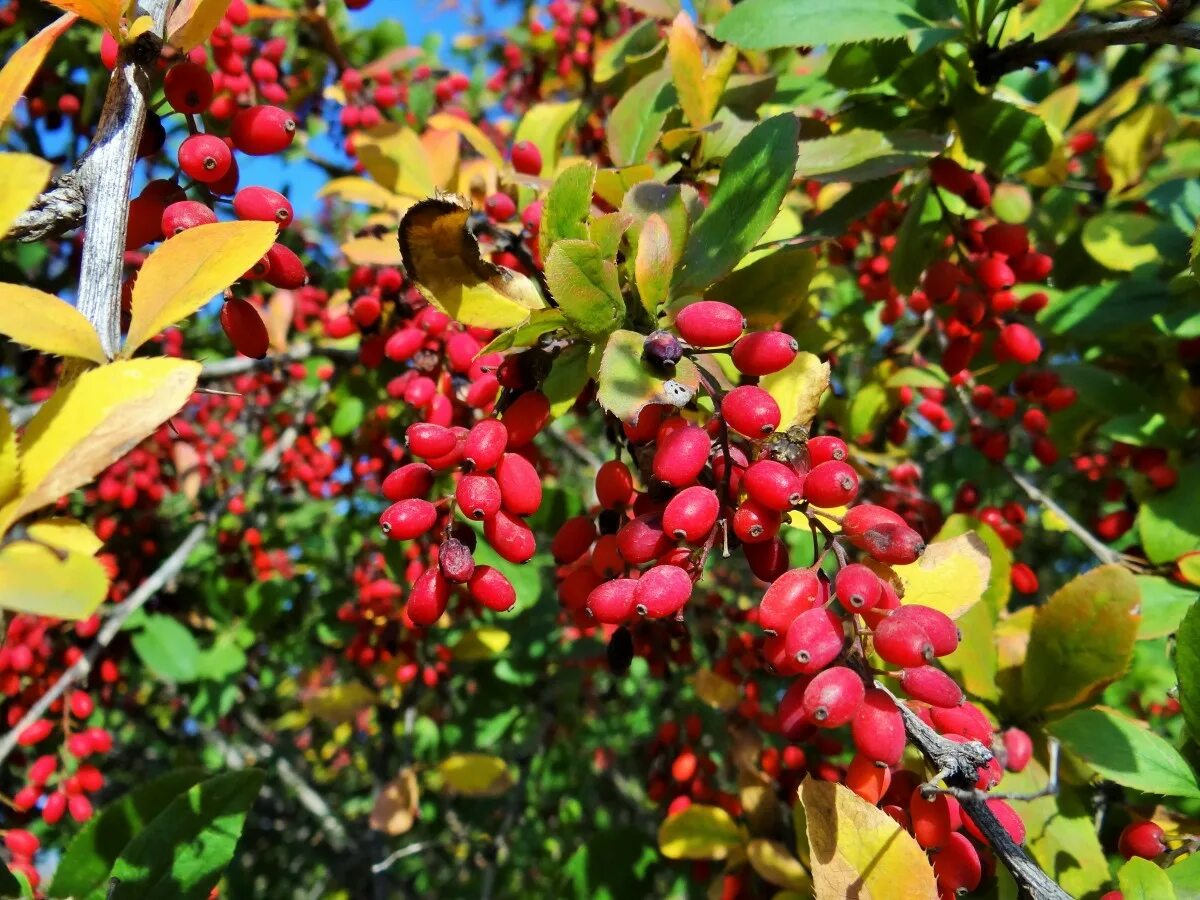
(20, 68)
(360, 190)
(105, 13)
(776, 865)
(45, 323)
(66, 534)
(141, 25)
(340, 702)
(477, 179)
(1111, 107)
(546, 124)
(1059, 108)
(798, 388)
(799, 520)
(443, 258)
(190, 269)
(22, 178)
(395, 157)
(1135, 142)
(37, 579)
(373, 251)
(475, 774)
(91, 422)
(613, 184)
(699, 87)
(10, 477)
(481, 643)
(719, 693)
(193, 21)
(859, 850)
(187, 468)
(699, 832)
(950, 576)
(280, 311)
(260, 13)
(395, 808)
(479, 141)
(441, 149)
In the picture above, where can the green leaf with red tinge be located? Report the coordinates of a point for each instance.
(657, 256)
(586, 286)
(567, 206)
(628, 385)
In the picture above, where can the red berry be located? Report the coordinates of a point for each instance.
(573, 539)
(188, 87)
(262, 130)
(957, 866)
(492, 588)
(681, 456)
(867, 779)
(642, 539)
(245, 328)
(520, 484)
(1144, 839)
(857, 587)
(943, 634)
(825, 448)
(526, 417)
(408, 519)
(1018, 749)
(931, 819)
(1018, 343)
(56, 805)
(965, 719)
(662, 591)
(930, 685)
(611, 603)
(500, 207)
(510, 537)
(428, 440)
(751, 411)
(773, 484)
(754, 523)
(764, 352)
(831, 484)
(287, 271)
(478, 496)
(814, 639)
(614, 484)
(204, 157)
(878, 728)
(260, 204)
(1024, 579)
(767, 560)
(410, 480)
(792, 593)
(527, 158)
(833, 696)
(185, 214)
(80, 808)
(427, 602)
(690, 514)
(709, 323)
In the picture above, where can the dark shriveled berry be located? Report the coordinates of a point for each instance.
(662, 350)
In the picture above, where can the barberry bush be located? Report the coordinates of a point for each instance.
(600, 449)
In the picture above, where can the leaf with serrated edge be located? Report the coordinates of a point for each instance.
(567, 206)
(586, 287)
(89, 423)
(188, 270)
(45, 323)
(859, 850)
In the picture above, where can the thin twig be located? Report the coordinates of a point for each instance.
(1048, 790)
(407, 850)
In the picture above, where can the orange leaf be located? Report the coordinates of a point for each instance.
(193, 21)
(23, 65)
(395, 808)
(105, 13)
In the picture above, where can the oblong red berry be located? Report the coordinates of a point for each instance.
(188, 87)
(681, 456)
(486, 443)
(520, 484)
(642, 539)
(427, 602)
(710, 323)
(794, 592)
(831, 484)
(527, 158)
(940, 628)
(185, 214)
(1018, 343)
(751, 411)
(525, 418)
(824, 448)
(492, 588)
(867, 779)
(878, 728)
(791, 715)
(931, 819)
(510, 537)
(410, 480)
(767, 560)
(965, 719)
(957, 866)
(407, 519)
(814, 639)
(931, 685)
(287, 271)
(262, 130)
(403, 344)
(902, 642)
(611, 603)
(857, 587)
(1011, 821)
(662, 591)
(573, 539)
(245, 328)
(1018, 749)
(753, 523)
(429, 441)
(764, 352)
(691, 514)
(260, 204)
(478, 496)
(204, 157)
(773, 484)
(833, 696)
(614, 484)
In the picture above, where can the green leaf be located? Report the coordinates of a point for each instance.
(1169, 522)
(9, 886)
(223, 659)
(546, 125)
(1082, 639)
(567, 206)
(181, 854)
(568, 376)
(349, 416)
(864, 155)
(586, 286)
(168, 648)
(1164, 604)
(1187, 669)
(754, 181)
(918, 240)
(635, 45)
(83, 870)
(974, 663)
(657, 255)
(627, 384)
(1004, 137)
(767, 24)
(1140, 879)
(636, 122)
(1121, 241)
(1185, 876)
(1106, 311)
(771, 290)
(867, 409)
(1049, 16)
(1125, 751)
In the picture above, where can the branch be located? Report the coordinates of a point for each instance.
(1099, 549)
(1166, 29)
(118, 614)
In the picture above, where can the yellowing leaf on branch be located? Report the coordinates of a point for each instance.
(105, 13)
(22, 178)
(89, 423)
(479, 141)
(395, 808)
(10, 476)
(340, 702)
(798, 388)
(698, 86)
(776, 865)
(372, 251)
(66, 534)
(20, 68)
(47, 324)
(475, 774)
(353, 189)
(718, 692)
(48, 581)
(193, 21)
(395, 157)
(858, 850)
(950, 576)
(442, 257)
(481, 643)
(190, 269)
(442, 149)
(546, 124)
(700, 832)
